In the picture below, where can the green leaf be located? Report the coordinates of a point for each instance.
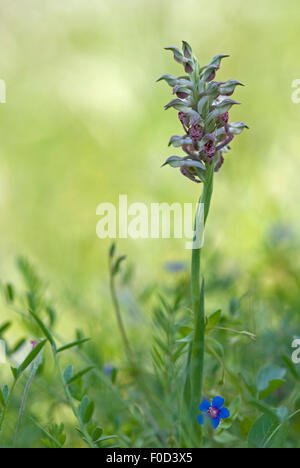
(97, 433)
(9, 292)
(102, 439)
(5, 392)
(43, 328)
(267, 433)
(112, 250)
(68, 373)
(261, 431)
(289, 364)
(86, 409)
(278, 437)
(2, 399)
(116, 266)
(5, 326)
(213, 319)
(81, 374)
(72, 345)
(31, 356)
(14, 372)
(18, 345)
(269, 379)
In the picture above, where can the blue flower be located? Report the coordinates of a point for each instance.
(214, 410)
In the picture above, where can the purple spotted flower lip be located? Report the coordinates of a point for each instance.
(203, 107)
(215, 411)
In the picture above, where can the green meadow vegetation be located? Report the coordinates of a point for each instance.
(97, 344)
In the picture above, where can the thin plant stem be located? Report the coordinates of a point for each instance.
(120, 322)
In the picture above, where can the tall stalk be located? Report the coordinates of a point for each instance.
(198, 344)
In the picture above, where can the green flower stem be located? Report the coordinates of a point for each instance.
(120, 322)
(197, 350)
(7, 405)
(87, 437)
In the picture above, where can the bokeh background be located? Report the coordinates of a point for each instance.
(84, 122)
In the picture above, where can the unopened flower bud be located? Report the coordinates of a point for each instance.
(187, 50)
(188, 67)
(211, 76)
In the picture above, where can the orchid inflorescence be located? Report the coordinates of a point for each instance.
(203, 106)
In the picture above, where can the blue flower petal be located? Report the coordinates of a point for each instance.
(200, 419)
(224, 413)
(217, 402)
(204, 406)
(215, 422)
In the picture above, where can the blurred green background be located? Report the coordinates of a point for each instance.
(84, 122)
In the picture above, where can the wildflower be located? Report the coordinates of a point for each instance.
(196, 132)
(33, 344)
(108, 369)
(210, 149)
(203, 109)
(175, 267)
(215, 411)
